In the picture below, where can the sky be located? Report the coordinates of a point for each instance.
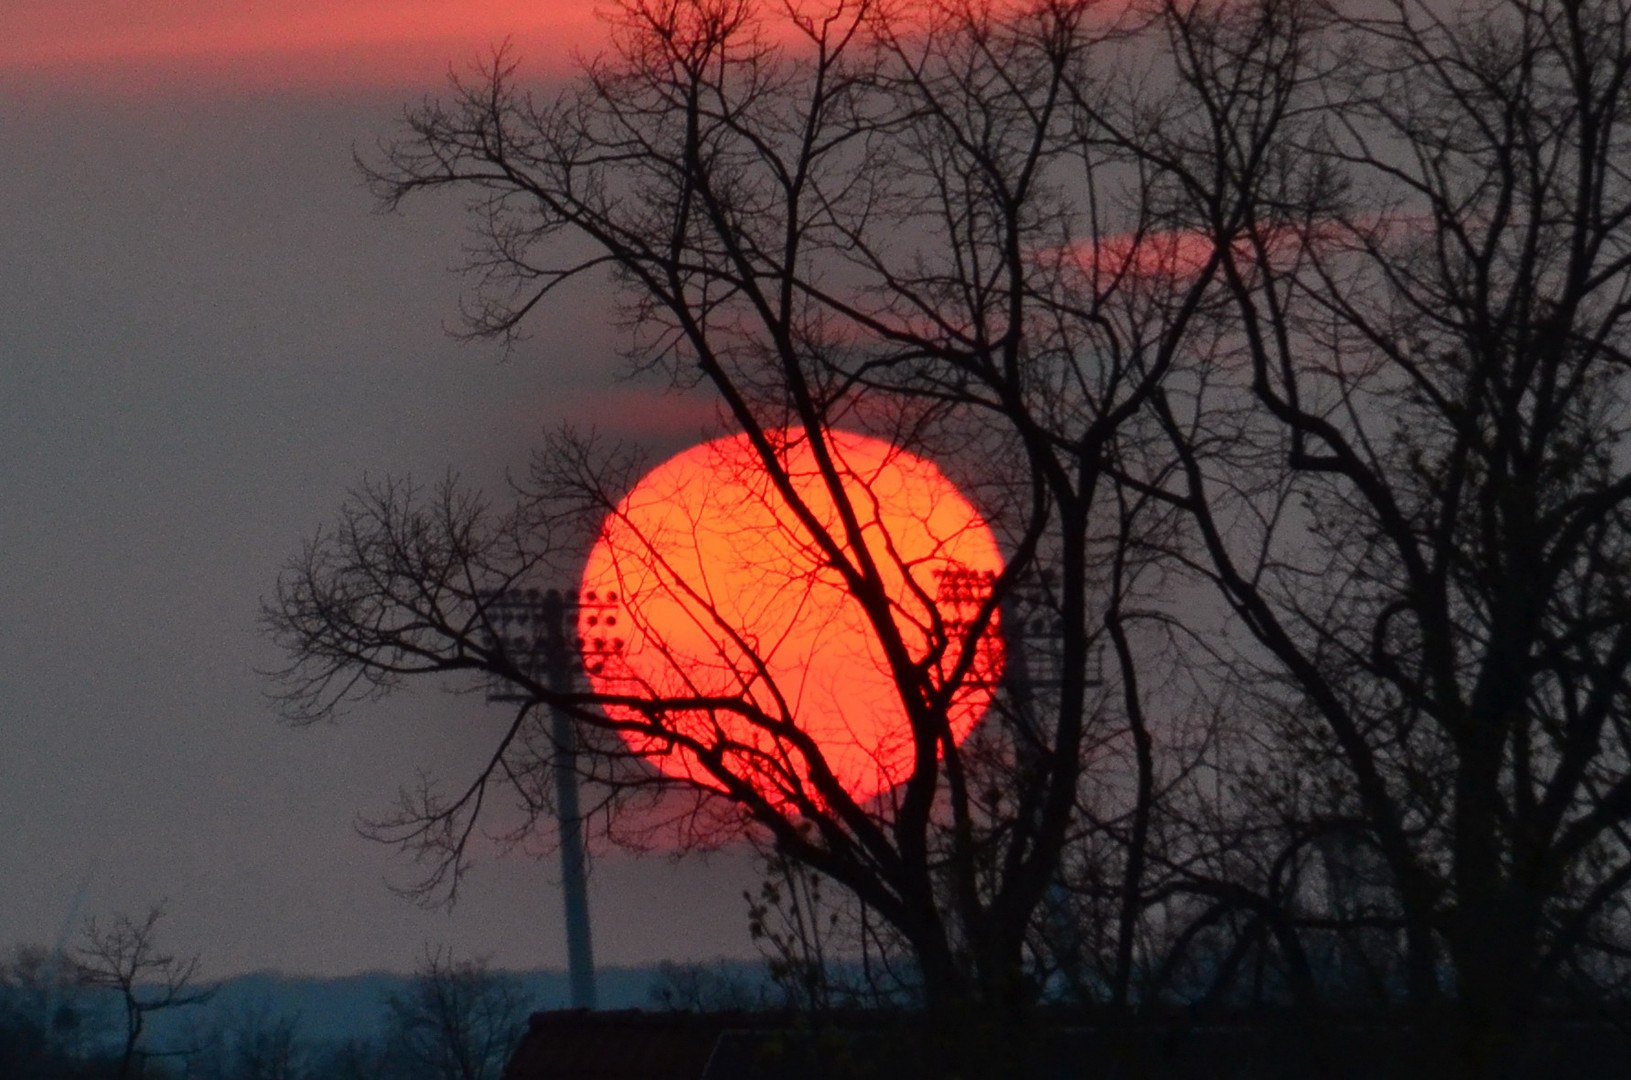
(206, 337)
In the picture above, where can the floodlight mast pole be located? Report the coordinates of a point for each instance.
(1033, 638)
(580, 957)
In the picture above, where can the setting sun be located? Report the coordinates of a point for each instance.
(704, 584)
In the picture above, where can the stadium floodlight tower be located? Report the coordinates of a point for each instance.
(532, 624)
(1032, 631)
(1033, 675)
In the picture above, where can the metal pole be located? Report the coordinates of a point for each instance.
(574, 877)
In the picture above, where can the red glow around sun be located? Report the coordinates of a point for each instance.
(704, 584)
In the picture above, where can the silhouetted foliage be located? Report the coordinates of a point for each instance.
(459, 1021)
(1405, 476)
(122, 955)
(936, 298)
(45, 1018)
(1283, 346)
(719, 986)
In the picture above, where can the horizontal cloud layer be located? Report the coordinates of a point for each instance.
(294, 42)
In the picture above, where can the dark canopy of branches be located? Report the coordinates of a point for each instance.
(1283, 345)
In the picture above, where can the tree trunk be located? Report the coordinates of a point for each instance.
(1493, 950)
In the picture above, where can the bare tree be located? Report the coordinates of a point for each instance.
(458, 1020)
(252, 1043)
(357, 1058)
(718, 986)
(124, 956)
(1322, 310)
(1405, 470)
(910, 225)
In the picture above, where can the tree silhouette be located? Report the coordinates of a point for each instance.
(937, 298)
(457, 1021)
(1405, 474)
(123, 955)
(1322, 311)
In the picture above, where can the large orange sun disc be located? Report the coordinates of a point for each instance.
(704, 584)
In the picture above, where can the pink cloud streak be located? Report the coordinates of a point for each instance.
(297, 42)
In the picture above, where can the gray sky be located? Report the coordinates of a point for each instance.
(206, 337)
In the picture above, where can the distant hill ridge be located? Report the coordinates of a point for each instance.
(338, 1008)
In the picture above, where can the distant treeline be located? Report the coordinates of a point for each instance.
(270, 1026)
